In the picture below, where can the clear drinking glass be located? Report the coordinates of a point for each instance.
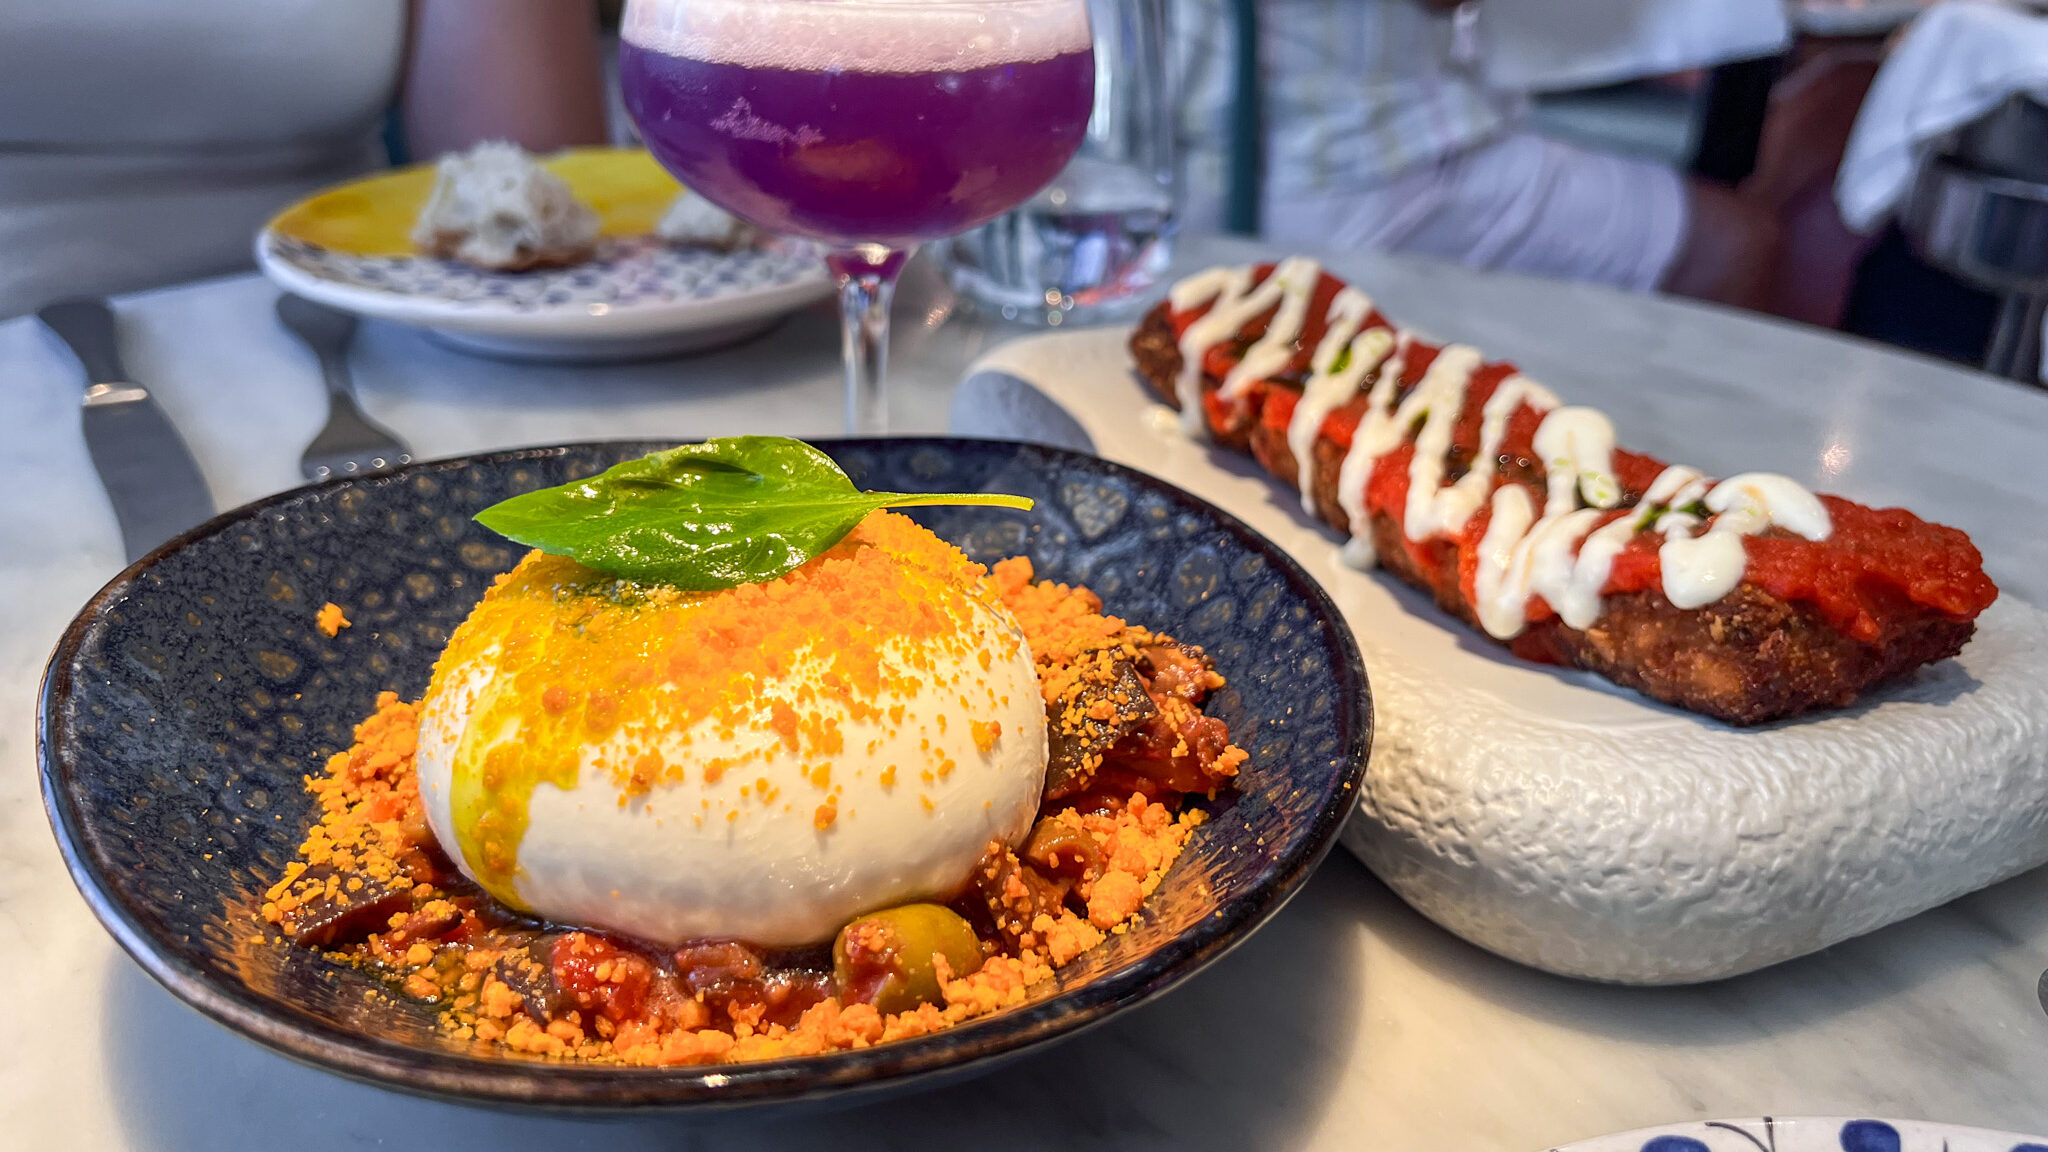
(869, 125)
(1088, 246)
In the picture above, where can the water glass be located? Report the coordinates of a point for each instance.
(1086, 249)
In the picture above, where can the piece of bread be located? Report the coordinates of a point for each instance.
(1904, 592)
(496, 207)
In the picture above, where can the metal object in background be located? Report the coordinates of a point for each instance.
(149, 474)
(1991, 230)
(351, 444)
(1088, 247)
(2011, 141)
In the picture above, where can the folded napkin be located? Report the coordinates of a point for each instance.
(1958, 61)
(1549, 45)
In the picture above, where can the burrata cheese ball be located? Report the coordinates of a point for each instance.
(764, 763)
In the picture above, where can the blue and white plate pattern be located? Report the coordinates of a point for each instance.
(1810, 1134)
(637, 296)
(625, 272)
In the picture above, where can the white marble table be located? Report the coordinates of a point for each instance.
(1348, 1023)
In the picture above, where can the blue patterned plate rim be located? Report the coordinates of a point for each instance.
(1810, 1134)
(623, 302)
(955, 1052)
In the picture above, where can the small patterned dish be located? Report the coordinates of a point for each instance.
(638, 297)
(1810, 1134)
(185, 705)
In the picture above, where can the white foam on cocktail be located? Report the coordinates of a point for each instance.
(895, 36)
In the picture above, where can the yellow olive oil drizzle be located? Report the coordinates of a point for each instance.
(578, 654)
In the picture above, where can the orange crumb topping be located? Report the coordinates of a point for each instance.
(371, 852)
(1065, 624)
(372, 823)
(986, 734)
(330, 619)
(1084, 659)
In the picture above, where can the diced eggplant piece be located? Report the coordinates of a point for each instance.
(743, 981)
(1061, 850)
(527, 968)
(346, 911)
(787, 995)
(1014, 894)
(436, 920)
(713, 968)
(1104, 703)
(1177, 750)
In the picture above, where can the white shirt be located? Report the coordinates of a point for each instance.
(1353, 91)
(142, 142)
(1357, 93)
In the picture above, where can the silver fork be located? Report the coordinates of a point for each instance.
(351, 444)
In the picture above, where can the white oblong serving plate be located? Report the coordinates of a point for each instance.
(1572, 825)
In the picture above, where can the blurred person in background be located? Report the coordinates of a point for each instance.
(1380, 131)
(144, 143)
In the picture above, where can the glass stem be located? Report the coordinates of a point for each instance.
(867, 284)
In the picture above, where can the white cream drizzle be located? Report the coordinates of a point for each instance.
(1576, 446)
(1699, 570)
(1520, 556)
(1228, 288)
(1329, 388)
(1561, 556)
(1366, 449)
(1236, 304)
(1296, 280)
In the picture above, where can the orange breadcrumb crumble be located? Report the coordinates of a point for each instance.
(371, 822)
(371, 885)
(330, 620)
(1084, 660)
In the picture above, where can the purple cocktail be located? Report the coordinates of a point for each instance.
(870, 125)
(894, 158)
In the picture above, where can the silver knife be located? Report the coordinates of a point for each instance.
(148, 472)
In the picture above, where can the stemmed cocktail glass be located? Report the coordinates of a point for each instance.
(869, 125)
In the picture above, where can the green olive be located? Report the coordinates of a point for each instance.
(885, 957)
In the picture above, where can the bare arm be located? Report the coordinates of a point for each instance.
(520, 70)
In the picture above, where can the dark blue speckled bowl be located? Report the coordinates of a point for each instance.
(188, 699)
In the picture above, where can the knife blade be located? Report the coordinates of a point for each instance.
(148, 472)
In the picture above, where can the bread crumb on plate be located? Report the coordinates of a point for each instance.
(331, 619)
(694, 222)
(496, 207)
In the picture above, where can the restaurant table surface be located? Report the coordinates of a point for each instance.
(1348, 1022)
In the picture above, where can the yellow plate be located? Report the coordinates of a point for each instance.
(374, 216)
